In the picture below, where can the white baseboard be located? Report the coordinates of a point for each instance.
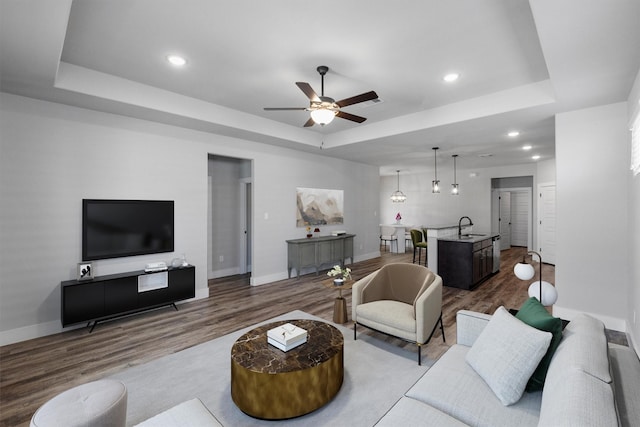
(612, 323)
(263, 280)
(25, 333)
(30, 332)
(214, 274)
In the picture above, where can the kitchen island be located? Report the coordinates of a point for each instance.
(466, 260)
(436, 232)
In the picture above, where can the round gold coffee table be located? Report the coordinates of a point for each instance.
(271, 384)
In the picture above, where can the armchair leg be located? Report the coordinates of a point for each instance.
(354, 331)
(419, 354)
(442, 329)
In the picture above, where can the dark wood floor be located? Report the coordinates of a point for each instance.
(33, 371)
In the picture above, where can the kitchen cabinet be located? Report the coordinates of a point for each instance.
(465, 262)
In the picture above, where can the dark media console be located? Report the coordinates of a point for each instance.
(115, 295)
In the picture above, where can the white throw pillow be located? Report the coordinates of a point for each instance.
(506, 354)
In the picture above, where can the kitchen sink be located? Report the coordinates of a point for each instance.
(473, 235)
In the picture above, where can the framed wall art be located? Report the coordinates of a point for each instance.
(315, 206)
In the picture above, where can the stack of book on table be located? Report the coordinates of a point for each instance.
(287, 336)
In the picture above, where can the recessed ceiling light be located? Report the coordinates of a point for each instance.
(536, 157)
(451, 77)
(176, 60)
(527, 147)
(513, 133)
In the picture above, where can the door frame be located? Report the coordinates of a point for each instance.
(245, 228)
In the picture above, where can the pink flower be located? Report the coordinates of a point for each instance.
(398, 217)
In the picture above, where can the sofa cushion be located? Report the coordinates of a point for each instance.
(453, 387)
(506, 354)
(391, 317)
(626, 390)
(575, 398)
(411, 412)
(584, 347)
(534, 314)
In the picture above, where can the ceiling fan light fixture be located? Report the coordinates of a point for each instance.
(323, 116)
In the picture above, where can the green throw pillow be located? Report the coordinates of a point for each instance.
(534, 314)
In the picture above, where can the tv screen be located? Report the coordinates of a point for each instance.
(120, 228)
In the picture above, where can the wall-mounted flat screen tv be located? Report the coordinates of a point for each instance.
(121, 228)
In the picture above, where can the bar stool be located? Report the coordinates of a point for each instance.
(426, 242)
(418, 244)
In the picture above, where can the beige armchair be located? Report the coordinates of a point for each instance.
(403, 300)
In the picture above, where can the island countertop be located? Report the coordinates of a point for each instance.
(471, 237)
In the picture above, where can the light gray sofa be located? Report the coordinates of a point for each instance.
(589, 383)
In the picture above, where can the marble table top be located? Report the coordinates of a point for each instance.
(251, 350)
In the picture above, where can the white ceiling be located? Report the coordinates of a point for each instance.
(520, 63)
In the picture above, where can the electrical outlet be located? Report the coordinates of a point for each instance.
(221, 258)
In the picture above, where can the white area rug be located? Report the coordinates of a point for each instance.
(376, 375)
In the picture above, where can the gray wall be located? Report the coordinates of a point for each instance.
(52, 156)
(593, 204)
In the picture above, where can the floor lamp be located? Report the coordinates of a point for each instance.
(544, 291)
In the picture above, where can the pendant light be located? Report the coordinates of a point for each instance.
(435, 184)
(455, 190)
(398, 196)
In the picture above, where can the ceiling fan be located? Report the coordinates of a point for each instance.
(323, 108)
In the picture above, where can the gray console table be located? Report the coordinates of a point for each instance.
(318, 251)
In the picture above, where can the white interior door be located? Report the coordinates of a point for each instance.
(521, 218)
(547, 222)
(504, 219)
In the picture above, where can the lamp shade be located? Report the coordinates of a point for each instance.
(524, 271)
(549, 293)
(322, 116)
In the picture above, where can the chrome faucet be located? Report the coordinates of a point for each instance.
(460, 225)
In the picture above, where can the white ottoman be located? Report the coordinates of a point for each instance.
(98, 403)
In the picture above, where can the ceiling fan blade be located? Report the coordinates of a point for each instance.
(309, 123)
(351, 117)
(308, 90)
(284, 108)
(357, 99)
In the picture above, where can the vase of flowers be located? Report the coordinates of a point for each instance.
(309, 235)
(316, 232)
(398, 218)
(339, 275)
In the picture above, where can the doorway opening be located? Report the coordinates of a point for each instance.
(229, 217)
(512, 211)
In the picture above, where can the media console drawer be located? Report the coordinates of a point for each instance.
(108, 297)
